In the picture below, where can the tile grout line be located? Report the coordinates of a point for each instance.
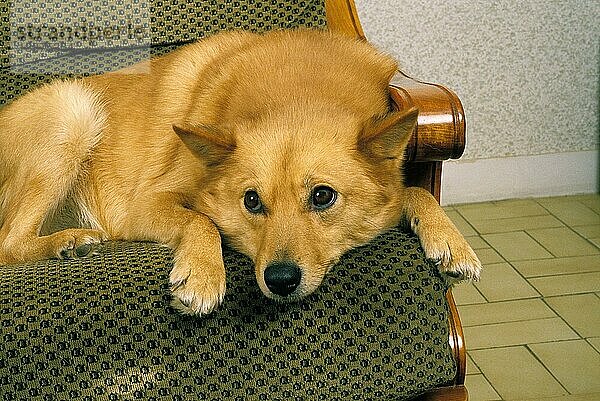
(487, 301)
(541, 245)
(487, 380)
(587, 340)
(521, 321)
(562, 318)
(526, 344)
(558, 274)
(547, 369)
(570, 226)
(525, 278)
(469, 223)
(516, 321)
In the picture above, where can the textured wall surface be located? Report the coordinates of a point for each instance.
(526, 71)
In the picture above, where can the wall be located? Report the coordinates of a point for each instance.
(527, 74)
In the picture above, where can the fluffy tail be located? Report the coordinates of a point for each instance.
(47, 138)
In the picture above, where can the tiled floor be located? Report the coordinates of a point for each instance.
(532, 324)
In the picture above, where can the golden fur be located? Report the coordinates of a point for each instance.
(168, 151)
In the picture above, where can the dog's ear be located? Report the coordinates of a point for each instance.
(209, 143)
(387, 137)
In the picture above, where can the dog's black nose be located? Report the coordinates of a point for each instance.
(282, 278)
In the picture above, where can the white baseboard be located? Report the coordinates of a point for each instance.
(520, 177)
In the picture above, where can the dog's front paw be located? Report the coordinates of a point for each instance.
(447, 247)
(198, 286)
(76, 242)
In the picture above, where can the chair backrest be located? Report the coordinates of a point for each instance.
(42, 41)
(342, 17)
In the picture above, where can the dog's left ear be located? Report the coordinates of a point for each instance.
(209, 143)
(387, 137)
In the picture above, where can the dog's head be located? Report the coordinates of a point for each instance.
(295, 198)
(297, 178)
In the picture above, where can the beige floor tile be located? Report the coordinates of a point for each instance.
(514, 202)
(463, 226)
(567, 284)
(489, 256)
(563, 242)
(466, 293)
(581, 312)
(574, 363)
(592, 201)
(472, 369)
(489, 226)
(569, 211)
(595, 342)
(505, 309)
(516, 246)
(484, 211)
(500, 282)
(477, 242)
(548, 267)
(502, 312)
(572, 397)
(515, 372)
(589, 232)
(517, 333)
(480, 389)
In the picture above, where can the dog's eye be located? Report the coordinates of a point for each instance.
(323, 197)
(252, 202)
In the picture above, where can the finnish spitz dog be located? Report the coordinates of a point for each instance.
(285, 144)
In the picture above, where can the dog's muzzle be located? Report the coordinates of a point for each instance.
(282, 278)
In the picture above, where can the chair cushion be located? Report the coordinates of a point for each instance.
(102, 327)
(48, 40)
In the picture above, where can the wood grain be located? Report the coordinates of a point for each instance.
(342, 17)
(457, 341)
(440, 133)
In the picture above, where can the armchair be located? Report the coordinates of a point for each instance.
(382, 326)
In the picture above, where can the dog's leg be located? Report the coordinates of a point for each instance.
(27, 203)
(198, 277)
(439, 238)
(46, 140)
(20, 241)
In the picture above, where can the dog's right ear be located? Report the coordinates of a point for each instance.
(386, 138)
(207, 142)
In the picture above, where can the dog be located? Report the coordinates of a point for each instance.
(284, 144)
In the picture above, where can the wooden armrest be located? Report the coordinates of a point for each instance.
(440, 132)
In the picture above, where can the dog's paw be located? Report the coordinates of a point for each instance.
(76, 242)
(197, 288)
(451, 252)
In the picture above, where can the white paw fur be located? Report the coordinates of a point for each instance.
(447, 247)
(196, 291)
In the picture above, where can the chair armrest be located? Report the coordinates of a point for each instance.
(439, 135)
(440, 131)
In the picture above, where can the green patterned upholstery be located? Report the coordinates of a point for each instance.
(44, 40)
(101, 327)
